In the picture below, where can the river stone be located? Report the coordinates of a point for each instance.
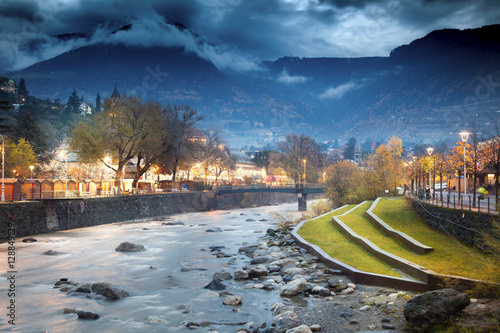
(256, 271)
(69, 310)
(321, 291)
(51, 253)
(232, 300)
(248, 250)
(294, 287)
(285, 321)
(216, 248)
(154, 320)
(433, 306)
(260, 260)
(284, 262)
(261, 253)
(273, 268)
(86, 315)
(100, 285)
(292, 271)
(30, 240)
(278, 308)
(315, 328)
(173, 223)
(185, 269)
(222, 276)
(214, 229)
(215, 285)
(300, 329)
(130, 247)
(347, 291)
(112, 293)
(240, 274)
(83, 290)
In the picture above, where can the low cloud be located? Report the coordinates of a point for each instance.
(284, 77)
(337, 92)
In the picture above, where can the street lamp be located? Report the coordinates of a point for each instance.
(31, 168)
(430, 150)
(3, 168)
(304, 161)
(465, 136)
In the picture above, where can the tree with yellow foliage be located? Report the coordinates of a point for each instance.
(388, 164)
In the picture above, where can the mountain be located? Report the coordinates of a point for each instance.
(427, 90)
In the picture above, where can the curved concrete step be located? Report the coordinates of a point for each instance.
(410, 242)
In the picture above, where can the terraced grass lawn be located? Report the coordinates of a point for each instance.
(323, 233)
(449, 256)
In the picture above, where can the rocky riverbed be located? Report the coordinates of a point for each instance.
(224, 271)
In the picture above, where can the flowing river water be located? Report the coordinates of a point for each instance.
(153, 278)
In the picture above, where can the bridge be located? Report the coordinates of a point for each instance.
(301, 190)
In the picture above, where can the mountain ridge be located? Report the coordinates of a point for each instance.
(417, 86)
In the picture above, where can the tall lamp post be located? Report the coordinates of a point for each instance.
(464, 136)
(430, 150)
(31, 168)
(3, 168)
(304, 161)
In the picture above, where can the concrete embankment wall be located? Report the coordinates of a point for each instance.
(30, 218)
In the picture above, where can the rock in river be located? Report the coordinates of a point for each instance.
(112, 293)
(215, 285)
(232, 300)
(294, 287)
(130, 247)
(86, 315)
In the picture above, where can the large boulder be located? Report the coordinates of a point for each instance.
(294, 287)
(130, 247)
(430, 307)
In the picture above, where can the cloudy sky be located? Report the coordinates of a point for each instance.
(234, 34)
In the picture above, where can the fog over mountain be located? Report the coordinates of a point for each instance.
(429, 89)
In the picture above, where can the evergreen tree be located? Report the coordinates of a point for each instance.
(98, 103)
(349, 149)
(22, 88)
(74, 102)
(25, 126)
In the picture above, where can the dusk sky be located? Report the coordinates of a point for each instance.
(234, 34)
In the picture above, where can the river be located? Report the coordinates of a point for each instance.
(153, 278)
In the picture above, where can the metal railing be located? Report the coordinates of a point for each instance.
(485, 204)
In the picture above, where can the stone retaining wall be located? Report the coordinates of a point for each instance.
(458, 223)
(30, 218)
